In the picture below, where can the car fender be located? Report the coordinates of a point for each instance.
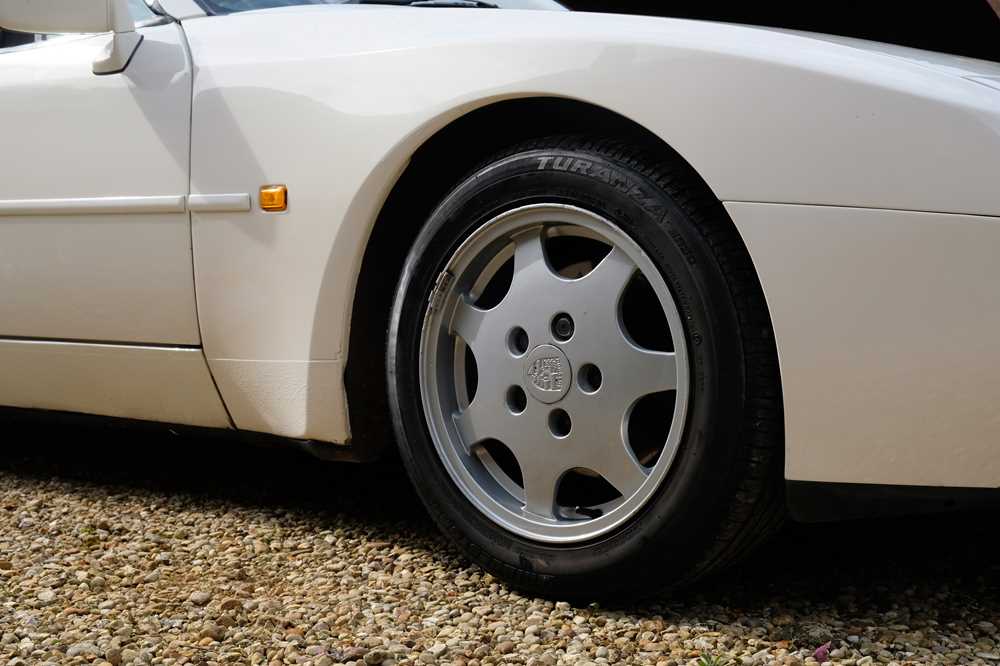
(332, 101)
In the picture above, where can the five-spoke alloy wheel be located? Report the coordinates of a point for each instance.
(581, 373)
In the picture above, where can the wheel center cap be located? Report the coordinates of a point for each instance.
(547, 373)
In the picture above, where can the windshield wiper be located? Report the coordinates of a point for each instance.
(431, 3)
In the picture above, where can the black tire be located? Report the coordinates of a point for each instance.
(724, 491)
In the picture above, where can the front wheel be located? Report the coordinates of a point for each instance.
(581, 373)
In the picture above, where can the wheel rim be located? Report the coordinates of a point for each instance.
(547, 336)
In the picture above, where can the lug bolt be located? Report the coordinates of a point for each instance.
(562, 327)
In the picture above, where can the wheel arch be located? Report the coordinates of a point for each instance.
(434, 168)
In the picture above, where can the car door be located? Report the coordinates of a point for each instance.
(95, 241)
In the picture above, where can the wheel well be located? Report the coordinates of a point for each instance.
(434, 169)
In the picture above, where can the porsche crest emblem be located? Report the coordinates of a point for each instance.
(546, 373)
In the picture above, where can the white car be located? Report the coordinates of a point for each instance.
(626, 289)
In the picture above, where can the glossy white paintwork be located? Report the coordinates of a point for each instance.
(303, 399)
(888, 325)
(182, 9)
(333, 100)
(56, 16)
(95, 262)
(129, 381)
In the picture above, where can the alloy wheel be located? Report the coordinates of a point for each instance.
(554, 373)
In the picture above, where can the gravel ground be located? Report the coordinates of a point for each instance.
(148, 548)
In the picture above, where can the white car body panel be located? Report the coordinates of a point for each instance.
(817, 145)
(166, 384)
(95, 240)
(181, 9)
(887, 323)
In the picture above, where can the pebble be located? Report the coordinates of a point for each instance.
(86, 649)
(377, 657)
(199, 598)
(213, 631)
(230, 604)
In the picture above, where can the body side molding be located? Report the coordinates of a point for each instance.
(200, 203)
(219, 203)
(94, 205)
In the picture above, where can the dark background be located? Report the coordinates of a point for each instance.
(963, 27)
